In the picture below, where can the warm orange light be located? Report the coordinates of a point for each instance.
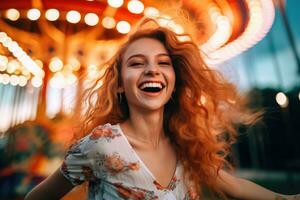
(151, 12)
(52, 14)
(39, 63)
(123, 27)
(73, 17)
(55, 64)
(108, 22)
(22, 80)
(33, 14)
(12, 14)
(135, 6)
(74, 64)
(115, 3)
(14, 80)
(4, 78)
(91, 19)
(222, 32)
(17, 51)
(36, 81)
(261, 14)
(12, 66)
(3, 63)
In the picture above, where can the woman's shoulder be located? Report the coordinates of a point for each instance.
(101, 136)
(106, 131)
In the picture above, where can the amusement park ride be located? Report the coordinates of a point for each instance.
(53, 42)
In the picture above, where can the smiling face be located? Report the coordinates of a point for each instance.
(147, 74)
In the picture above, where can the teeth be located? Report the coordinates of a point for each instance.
(156, 85)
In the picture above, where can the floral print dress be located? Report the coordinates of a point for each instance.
(115, 171)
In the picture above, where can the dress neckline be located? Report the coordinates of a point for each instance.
(144, 165)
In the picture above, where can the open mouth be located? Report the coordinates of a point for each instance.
(152, 87)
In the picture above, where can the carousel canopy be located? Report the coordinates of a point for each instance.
(67, 35)
(51, 42)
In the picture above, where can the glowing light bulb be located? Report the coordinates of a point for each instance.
(55, 64)
(14, 80)
(39, 63)
(25, 72)
(22, 80)
(2, 36)
(12, 14)
(178, 29)
(135, 6)
(3, 63)
(151, 12)
(115, 3)
(73, 17)
(123, 27)
(282, 100)
(33, 14)
(5, 79)
(164, 21)
(74, 63)
(91, 19)
(6, 41)
(12, 66)
(52, 14)
(108, 22)
(36, 81)
(13, 46)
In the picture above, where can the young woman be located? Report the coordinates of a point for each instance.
(156, 128)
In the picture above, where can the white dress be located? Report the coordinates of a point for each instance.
(114, 170)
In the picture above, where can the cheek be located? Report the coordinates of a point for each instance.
(172, 78)
(129, 79)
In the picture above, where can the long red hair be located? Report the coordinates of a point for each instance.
(200, 118)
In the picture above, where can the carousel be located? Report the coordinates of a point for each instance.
(50, 50)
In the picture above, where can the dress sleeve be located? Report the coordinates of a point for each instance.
(77, 166)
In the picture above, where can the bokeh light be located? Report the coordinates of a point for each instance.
(33, 14)
(135, 6)
(36, 81)
(73, 17)
(151, 12)
(91, 19)
(282, 100)
(52, 14)
(115, 3)
(56, 64)
(12, 14)
(108, 22)
(123, 27)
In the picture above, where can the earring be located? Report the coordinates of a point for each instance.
(172, 95)
(119, 97)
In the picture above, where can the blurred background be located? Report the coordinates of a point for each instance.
(46, 45)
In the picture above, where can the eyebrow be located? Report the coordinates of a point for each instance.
(142, 55)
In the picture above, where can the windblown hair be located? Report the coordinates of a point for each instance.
(200, 118)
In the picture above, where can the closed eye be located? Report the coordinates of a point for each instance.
(164, 63)
(136, 64)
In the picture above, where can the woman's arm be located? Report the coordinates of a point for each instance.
(247, 190)
(53, 187)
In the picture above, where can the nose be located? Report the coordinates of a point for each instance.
(152, 69)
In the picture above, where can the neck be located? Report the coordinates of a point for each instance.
(146, 127)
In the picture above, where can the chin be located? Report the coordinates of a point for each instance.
(153, 105)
